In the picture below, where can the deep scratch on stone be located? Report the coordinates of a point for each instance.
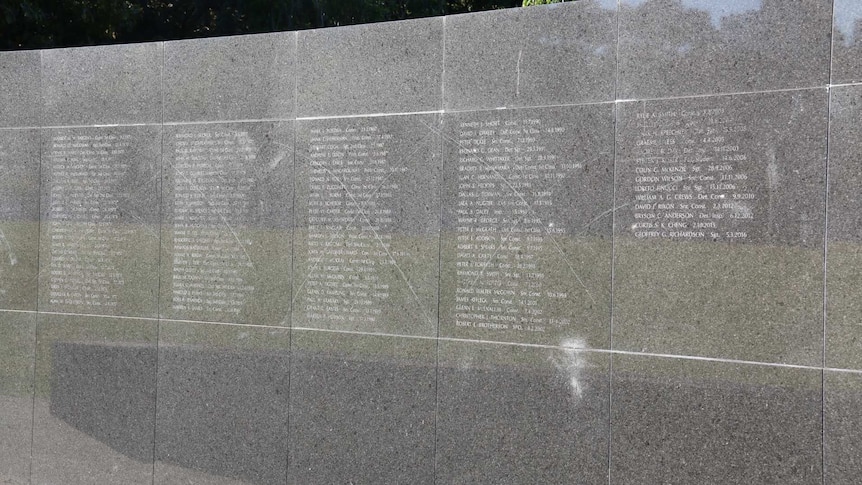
(380, 241)
(533, 210)
(366, 198)
(518, 79)
(602, 215)
(550, 236)
(13, 260)
(224, 221)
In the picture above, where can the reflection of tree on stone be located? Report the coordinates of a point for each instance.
(521, 235)
(366, 259)
(708, 46)
(212, 184)
(848, 22)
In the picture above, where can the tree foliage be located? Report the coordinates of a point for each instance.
(530, 3)
(34, 24)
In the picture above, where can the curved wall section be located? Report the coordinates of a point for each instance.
(578, 243)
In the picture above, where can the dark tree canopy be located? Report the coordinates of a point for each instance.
(35, 24)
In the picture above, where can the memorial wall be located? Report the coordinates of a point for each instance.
(594, 242)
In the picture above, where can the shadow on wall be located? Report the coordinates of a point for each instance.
(107, 392)
(222, 412)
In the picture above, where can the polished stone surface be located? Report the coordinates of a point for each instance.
(106, 391)
(222, 403)
(20, 98)
(843, 282)
(19, 218)
(102, 85)
(368, 224)
(227, 209)
(719, 232)
(538, 285)
(683, 421)
(672, 48)
(391, 67)
(526, 240)
(248, 77)
(521, 415)
(847, 42)
(842, 423)
(531, 56)
(95, 400)
(99, 246)
(362, 409)
(17, 348)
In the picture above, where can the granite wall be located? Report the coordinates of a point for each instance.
(595, 242)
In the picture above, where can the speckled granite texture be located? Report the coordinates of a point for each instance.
(227, 222)
(720, 227)
(847, 42)
(603, 241)
(671, 48)
(500, 58)
(378, 68)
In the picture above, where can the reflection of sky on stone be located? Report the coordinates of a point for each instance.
(605, 4)
(717, 9)
(847, 15)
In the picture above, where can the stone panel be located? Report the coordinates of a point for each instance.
(842, 424)
(17, 347)
(222, 404)
(362, 409)
(521, 415)
(99, 248)
(102, 85)
(847, 42)
(247, 77)
(526, 241)
(531, 56)
(95, 400)
(20, 98)
(227, 213)
(368, 224)
(676, 48)
(392, 67)
(19, 218)
(843, 281)
(719, 247)
(682, 421)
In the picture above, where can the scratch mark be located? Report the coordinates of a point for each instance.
(602, 215)
(550, 236)
(382, 244)
(367, 197)
(223, 220)
(518, 80)
(276, 160)
(13, 260)
(572, 269)
(144, 224)
(533, 210)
